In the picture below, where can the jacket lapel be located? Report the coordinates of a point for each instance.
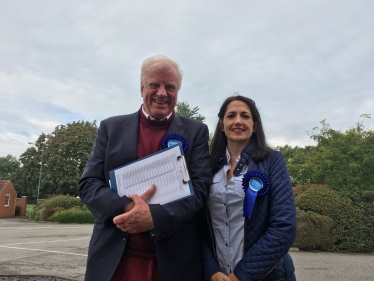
(130, 137)
(176, 126)
(131, 132)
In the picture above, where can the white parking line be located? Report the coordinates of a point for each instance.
(37, 250)
(24, 243)
(36, 227)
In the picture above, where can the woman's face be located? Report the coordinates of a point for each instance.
(237, 123)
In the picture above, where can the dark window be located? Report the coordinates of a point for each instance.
(7, 199)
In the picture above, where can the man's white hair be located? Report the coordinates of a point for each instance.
(160, 60)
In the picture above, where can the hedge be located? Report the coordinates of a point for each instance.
(60, 201)
(49, 207)
(346, 227)
(313, 231)
(72, 216)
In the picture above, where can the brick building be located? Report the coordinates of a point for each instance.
(8, 196)
(22, 203)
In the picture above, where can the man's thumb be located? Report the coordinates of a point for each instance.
(149, 193)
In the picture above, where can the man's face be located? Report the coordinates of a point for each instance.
(160, 90)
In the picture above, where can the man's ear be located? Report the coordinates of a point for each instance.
(141, 89)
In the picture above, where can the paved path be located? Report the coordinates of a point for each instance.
(52, 249)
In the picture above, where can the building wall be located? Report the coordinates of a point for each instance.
(40, 201)
(22, 202)
(8, 211)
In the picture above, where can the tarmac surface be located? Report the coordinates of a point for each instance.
(58, 252)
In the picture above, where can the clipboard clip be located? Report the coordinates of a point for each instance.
(185, 175)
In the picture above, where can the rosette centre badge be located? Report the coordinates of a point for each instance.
(174, 139)
(255, 184)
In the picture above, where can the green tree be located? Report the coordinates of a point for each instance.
(69, 147)
(298, 160)
(347, 160)
(184, 109)
(26, 179)
(8, 165)
(64, 152)
(342, 160)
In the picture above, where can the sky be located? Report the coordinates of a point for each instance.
(300, 61)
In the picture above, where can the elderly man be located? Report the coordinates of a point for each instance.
(133, 240)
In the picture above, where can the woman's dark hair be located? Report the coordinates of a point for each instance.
(259, 148)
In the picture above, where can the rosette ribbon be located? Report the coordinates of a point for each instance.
(174, 139)
(254, 184)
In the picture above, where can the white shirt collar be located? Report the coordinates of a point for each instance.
(152, 118)
(228, 157)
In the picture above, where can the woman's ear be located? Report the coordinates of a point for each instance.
(221, 125)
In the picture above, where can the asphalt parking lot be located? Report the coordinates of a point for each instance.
(46, 249)
(60, 250)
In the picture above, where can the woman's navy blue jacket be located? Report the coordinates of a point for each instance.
(268, 234)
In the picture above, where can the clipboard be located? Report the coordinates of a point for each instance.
(166, 169)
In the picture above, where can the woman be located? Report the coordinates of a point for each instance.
(250, 180)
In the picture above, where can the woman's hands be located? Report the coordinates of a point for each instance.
(219, 276)
(233, 277)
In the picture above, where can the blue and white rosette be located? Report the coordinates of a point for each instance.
(174, 139)
(255, 184)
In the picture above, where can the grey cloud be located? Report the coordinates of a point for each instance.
(300, 61)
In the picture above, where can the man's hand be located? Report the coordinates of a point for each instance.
(145, 196)
(219, 276)
(138, 216)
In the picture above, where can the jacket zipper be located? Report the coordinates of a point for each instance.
(272, 270)
(268, 272)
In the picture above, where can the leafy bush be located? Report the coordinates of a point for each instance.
(85, 208)
(60, 201)
(47, 212)
(352, 228)
(313, 231)
(72, 216)
(342, 160)
(35, 215)
(324, 201)
(298, 189)
(55, 204)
